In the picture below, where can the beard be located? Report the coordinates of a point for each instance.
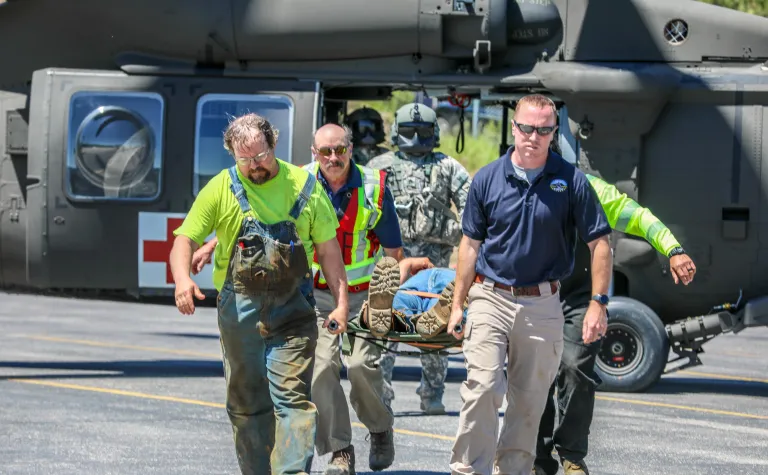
(259, 176)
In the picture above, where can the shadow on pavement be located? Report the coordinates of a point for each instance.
(124, 369)
(674, 385)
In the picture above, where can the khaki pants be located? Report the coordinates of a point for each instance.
(334, 428)
(529, 332)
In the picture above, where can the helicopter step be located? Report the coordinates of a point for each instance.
(635, 351)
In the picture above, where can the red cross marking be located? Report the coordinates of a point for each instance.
(160, 251)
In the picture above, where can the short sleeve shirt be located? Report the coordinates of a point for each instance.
(529, 230)
(216, 209)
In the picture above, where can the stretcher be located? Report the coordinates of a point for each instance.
(402, 331)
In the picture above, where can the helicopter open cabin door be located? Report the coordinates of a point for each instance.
(121, 158)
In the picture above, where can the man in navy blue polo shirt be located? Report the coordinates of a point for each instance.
(520, 228)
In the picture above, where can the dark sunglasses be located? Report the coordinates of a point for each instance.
(339, 150)
(528, 129)
(408, 131)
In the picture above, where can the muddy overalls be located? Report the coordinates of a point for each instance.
(266, 319)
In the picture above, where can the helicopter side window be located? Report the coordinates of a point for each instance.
(215, 111)
(114, 146)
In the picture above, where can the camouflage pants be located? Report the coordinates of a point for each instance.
(434, 370)
(434, 367)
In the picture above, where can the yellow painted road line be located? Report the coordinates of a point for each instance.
(127, 347)
(118, 391)
(725, 376)
(679, 406)
(196, 402)
(218, 356)
(414, 433)
(403, 431)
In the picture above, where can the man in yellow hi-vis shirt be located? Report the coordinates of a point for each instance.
(576, 380)
(269, 217)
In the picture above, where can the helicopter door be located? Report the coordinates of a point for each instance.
(13, 176)
(122, 157)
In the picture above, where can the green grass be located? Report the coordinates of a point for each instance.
(477, 151)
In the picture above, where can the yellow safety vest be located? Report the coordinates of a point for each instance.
(360, 248)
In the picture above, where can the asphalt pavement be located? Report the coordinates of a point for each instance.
(105, 387)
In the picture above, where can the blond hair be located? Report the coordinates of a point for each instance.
(246, 129)
(537, 100)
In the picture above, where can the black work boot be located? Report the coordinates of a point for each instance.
(382, 450)
(574, 468)
(385, 281)
(342, 462)
(435, 320)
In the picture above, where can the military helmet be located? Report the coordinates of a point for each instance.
(367, 126)
(415, 129)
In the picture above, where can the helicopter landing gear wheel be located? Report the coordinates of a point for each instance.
(635, 349)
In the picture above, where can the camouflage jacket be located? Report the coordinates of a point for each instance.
(362, 155)
(423, 189)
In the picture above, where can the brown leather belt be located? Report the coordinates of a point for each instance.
(529, 291)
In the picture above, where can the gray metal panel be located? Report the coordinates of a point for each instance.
(191, 29)
(13, 215)
(759, 273)
(700, 177)
(37, 194)
(100, 240)
(610, 30)
(16, 132)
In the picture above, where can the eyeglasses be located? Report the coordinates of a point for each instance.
(258, 158)
(528, 129)
(424, 131)
(339, 150)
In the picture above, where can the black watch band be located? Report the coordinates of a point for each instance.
(676, 251)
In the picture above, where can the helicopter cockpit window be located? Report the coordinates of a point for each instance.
(115, 146)
(215, 111)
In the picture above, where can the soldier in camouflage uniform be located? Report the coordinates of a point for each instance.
(367, 133)
(424, 183)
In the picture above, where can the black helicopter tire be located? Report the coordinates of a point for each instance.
(635, 349)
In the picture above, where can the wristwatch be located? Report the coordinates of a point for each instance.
(602, 299)
(676, 251)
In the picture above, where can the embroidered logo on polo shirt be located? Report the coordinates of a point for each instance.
(558, 185)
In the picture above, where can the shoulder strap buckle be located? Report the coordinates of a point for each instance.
(303, 198)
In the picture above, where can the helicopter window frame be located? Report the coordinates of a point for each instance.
(285, 135)
(150, 114)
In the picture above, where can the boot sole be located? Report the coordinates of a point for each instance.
(435, 320)
(384, 284)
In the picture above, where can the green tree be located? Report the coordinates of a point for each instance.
(755, 7)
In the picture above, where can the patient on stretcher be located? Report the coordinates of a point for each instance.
(412, 297)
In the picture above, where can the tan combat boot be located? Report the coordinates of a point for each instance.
(385, 281)
(575, 468)
(435, 320)
(342, 462)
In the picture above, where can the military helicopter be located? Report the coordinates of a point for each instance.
(111, 116)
